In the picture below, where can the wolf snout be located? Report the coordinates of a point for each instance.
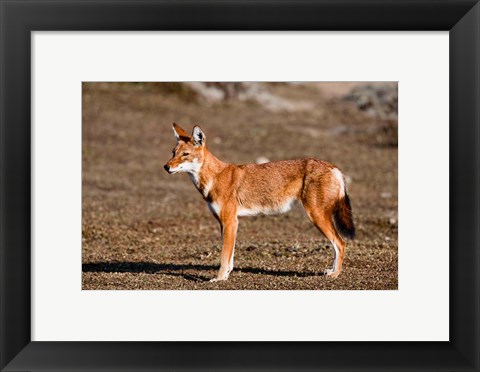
(167, 168)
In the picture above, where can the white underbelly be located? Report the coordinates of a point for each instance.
(277, 209)
(215, 208)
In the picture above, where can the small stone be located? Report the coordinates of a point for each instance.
(262, 160)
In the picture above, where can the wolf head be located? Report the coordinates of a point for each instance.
(189, 153)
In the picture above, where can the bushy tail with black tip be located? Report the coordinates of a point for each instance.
(342, 217)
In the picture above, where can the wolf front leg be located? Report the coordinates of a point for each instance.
(229, 224)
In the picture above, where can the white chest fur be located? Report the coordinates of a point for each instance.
(215, 208)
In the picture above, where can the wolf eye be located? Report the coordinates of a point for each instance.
(185, 154)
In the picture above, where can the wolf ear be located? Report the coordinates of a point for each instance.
(180, 134)
(198, 135)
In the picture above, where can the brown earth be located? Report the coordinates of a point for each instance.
(145, 229)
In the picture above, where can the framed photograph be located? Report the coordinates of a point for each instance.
(151, 152)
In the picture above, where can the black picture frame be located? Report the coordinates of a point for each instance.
(18, 18)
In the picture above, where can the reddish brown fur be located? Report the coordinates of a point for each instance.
(268, 186)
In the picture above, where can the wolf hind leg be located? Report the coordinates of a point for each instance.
(323, 221)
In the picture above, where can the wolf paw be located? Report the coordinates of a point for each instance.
(222, 275)
(331, 273)
(218, 279)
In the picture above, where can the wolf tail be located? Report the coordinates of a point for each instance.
(342, 217)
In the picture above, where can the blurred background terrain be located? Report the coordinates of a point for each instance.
(145, 229)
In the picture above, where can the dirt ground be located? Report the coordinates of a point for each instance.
(145, 229)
